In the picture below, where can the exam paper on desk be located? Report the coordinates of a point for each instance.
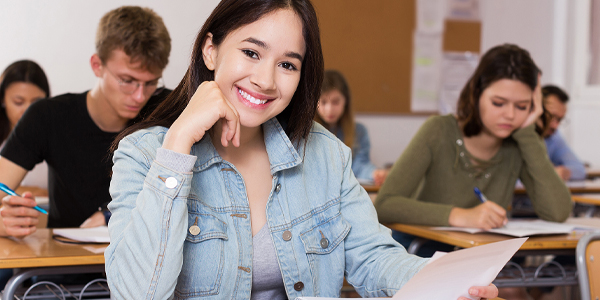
(92, 235)
(451, 275)
(520, 228)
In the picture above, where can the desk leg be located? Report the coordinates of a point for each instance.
(415, 245)
(24, 274)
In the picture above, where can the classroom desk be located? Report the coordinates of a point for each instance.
(371, 188)
(591, 201)
(575, 187)
(592, 173)
(536, 245)
(40, 254)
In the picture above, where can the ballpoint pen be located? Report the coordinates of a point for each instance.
(7, 190)
(480, 195)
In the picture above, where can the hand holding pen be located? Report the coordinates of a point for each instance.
(9, 191)
(19, 216)
(486, 215)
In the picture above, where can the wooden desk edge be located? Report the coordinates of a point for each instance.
(52, 261)
(467, 240)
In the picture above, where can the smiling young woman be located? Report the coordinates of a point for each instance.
(229, 190)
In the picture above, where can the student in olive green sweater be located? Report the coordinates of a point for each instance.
(489, 144)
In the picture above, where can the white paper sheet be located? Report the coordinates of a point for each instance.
(521, 228)
(92, 235)
(430, 15)
(457, 68)
(450, 275)
(463, 10)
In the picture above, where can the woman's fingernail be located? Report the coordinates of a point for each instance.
(474, 292)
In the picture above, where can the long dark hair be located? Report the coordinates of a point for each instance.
(20, 71)
(501, 62)
(230, 15)
(334, 80)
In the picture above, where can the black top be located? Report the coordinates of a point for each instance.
(61, 132)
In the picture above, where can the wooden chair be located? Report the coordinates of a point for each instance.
(588, 266)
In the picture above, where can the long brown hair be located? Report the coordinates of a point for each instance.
(230, 15)
(501, 62)
(334, 80)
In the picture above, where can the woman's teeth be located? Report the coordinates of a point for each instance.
(250, 98)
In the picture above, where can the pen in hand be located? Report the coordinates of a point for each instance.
(480, 195)
(484, 199)
(7, 190)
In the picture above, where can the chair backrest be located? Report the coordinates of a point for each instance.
(588, 266)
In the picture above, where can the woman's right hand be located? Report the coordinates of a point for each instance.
(486, 216)
(207, 106)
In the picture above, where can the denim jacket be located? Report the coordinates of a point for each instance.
(362, 166)
(181, 234)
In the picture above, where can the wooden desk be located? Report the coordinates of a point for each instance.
(467, 240)
(575, 187)
(564, 244)
(39, 254)
(592, 173)
(371, 188)
(40, 250)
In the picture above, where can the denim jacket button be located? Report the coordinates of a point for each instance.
(171, 182)
(287, 235)
(298, 286)
(324, 243)
(277, 188)
(195, 230)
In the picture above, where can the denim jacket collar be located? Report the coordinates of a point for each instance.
(281, 151)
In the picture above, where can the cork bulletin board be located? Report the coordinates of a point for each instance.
(370, 42)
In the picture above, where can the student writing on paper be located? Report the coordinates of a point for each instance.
(335, 113)
(21, 84)
(489, 144)
(73, 132)
(229, 190)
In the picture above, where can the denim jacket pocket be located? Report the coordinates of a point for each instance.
(325, 237)
(203, 256)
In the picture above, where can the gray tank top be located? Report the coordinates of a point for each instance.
(267, 282)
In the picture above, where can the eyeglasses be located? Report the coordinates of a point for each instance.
(129, 87)
(550, 117)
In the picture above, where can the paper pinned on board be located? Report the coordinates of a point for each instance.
(451, 275)
(91, 235)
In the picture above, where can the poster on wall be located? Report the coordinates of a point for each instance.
(463, 10)
(426, 68)
(430, 16)
(457, 68)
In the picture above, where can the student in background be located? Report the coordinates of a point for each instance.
(335, 113)
(73, 132)
(21, 84)
(489, 144)
(566, 163)
(229, 190)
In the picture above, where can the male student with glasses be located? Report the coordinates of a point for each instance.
(73, 132)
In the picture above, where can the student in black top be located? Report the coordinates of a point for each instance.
(73, 132)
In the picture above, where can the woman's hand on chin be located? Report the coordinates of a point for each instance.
(207, 106)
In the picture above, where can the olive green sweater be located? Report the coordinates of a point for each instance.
(437, 169)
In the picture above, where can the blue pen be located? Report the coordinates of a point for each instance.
(480, 195)
(7, 190)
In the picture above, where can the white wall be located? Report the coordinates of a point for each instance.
(59, 35)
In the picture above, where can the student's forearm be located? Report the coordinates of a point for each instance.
(549, 195)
